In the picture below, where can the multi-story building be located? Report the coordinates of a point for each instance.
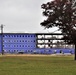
(41, 43)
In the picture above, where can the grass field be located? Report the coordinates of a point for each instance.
(37, 65)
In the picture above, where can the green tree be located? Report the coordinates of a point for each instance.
(61, 14)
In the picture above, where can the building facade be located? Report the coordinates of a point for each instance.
(37, 43)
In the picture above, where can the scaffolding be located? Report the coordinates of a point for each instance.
(47, 40)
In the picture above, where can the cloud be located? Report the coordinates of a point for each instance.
(21, 15)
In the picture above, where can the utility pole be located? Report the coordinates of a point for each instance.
(2, 39)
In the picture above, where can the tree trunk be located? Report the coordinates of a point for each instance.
(75, 51)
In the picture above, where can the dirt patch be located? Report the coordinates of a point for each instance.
(37, 55)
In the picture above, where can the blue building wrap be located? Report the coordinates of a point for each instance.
(0, 44)
(13, 43)
(25, 43)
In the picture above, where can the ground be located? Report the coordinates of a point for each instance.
(27, 64)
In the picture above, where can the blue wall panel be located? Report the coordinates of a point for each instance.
(14, 43)
(19, 42)
(0, 44)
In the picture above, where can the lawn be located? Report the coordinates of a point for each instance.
(37, 65)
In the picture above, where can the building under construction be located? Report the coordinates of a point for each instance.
(34, 43)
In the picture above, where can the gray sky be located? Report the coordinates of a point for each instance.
(22, 15)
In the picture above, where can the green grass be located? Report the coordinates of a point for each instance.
(30, 65)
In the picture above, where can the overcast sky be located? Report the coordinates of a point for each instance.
(22, 15)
